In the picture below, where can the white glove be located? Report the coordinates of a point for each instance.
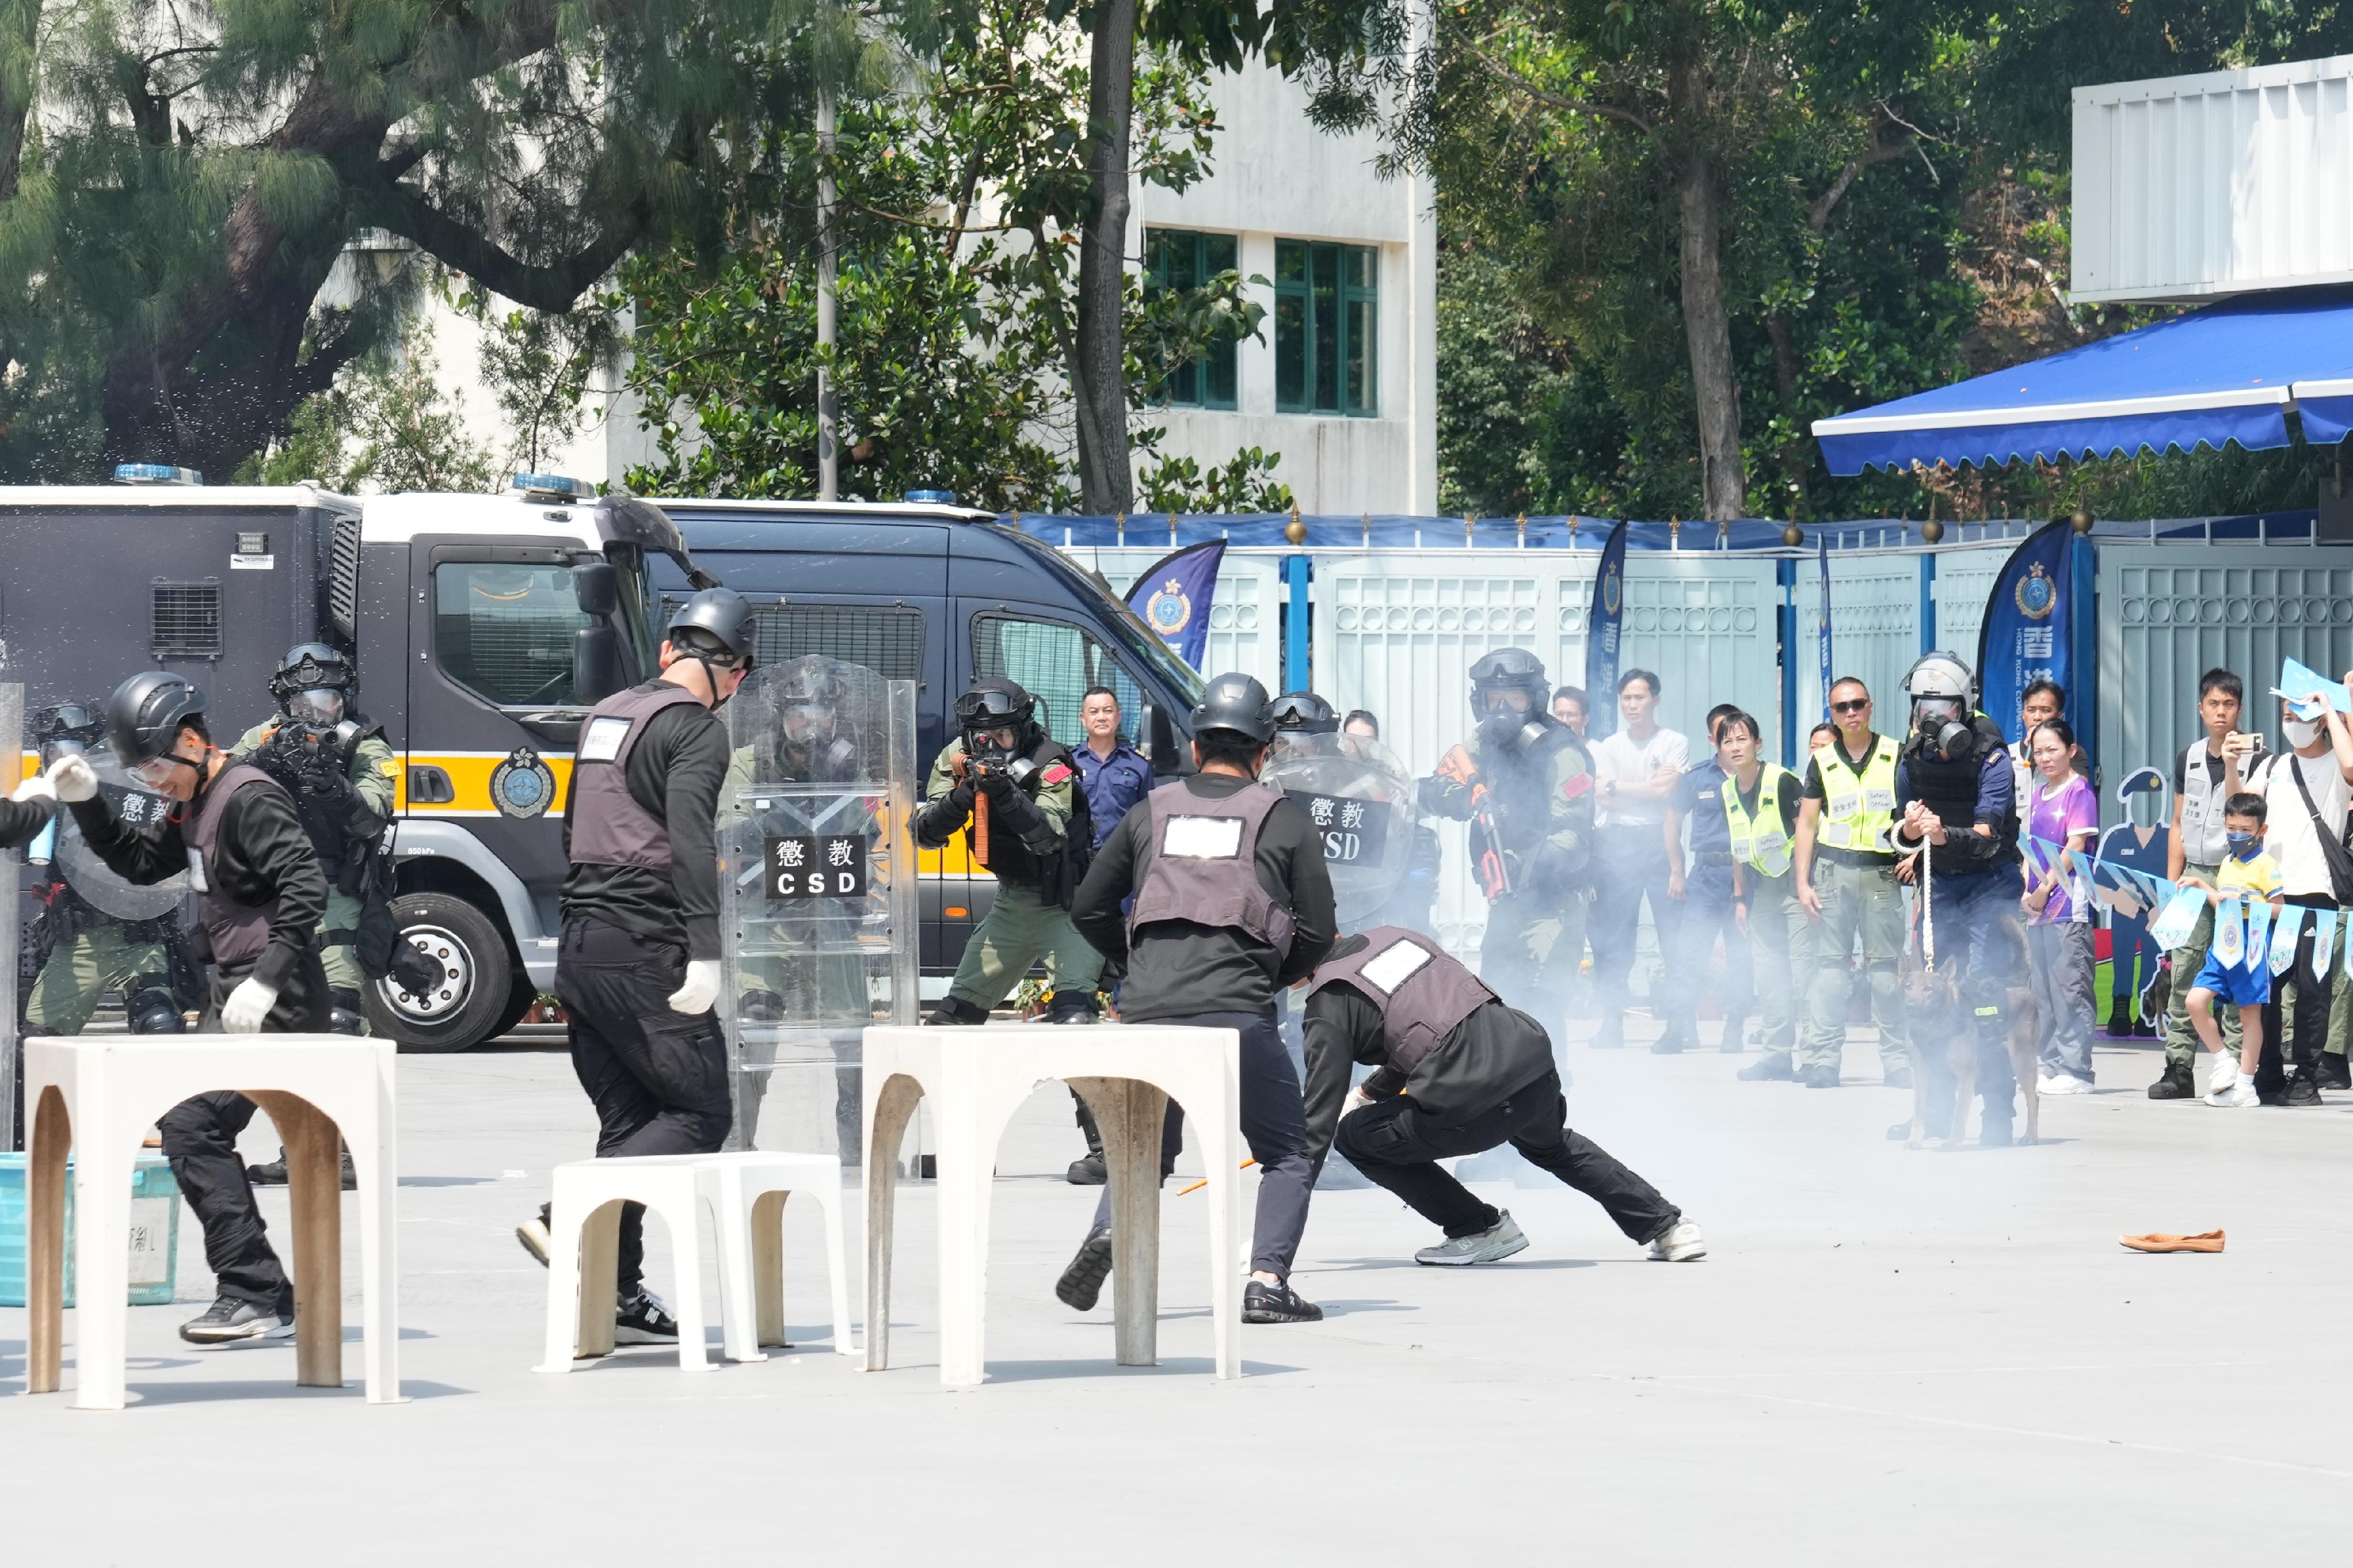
(246, 1006)
(40, 786)
(73, 779)
(700, 990)
(1358, 1100)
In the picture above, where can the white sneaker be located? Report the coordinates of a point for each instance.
(1683, 1244)
(2224, 1073)
(2061, 1083)
(2240, 1092)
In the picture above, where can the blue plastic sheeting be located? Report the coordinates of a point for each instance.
(2228, 373)
(1329, 535)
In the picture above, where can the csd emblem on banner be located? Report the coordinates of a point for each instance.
(1612, 586)
(2037, 595)
(1169, 611)
(523, 785)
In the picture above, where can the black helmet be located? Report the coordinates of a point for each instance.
(145, 714)
(993, 702)
(1305, 713)
(69, 727)
(316, 682)
(1508, 669)
(809, 696)
(1236, 704)
(721, 622)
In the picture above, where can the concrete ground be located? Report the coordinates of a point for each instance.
(1888, 1355)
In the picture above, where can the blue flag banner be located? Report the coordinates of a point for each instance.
(2024, 636)
(1601, 637)
(1822, 545)
(2324, 941)
(2259, 926)
(2284, 935)
(1174, 593)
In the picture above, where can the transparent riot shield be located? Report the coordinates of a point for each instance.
(12, 877)
(1361, 799)
(817, 854)
(100, 886)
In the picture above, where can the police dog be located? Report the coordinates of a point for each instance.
(1937, 1022)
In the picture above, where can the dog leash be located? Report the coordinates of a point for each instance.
(1928, 906)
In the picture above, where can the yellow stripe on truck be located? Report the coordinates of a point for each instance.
(469, 776)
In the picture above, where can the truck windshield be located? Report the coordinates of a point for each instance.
(505, 632)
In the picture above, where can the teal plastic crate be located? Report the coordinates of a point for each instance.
(154, 1231)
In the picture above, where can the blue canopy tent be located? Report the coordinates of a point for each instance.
(2232, 372)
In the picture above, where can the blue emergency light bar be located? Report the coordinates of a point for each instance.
(556, 485)
(155, 474)
(933, 498)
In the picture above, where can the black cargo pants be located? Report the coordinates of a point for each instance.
(200, 1140)
(658, 1079)
(1396, 1145)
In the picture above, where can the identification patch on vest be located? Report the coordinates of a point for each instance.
(523, 786)
(1202, 838)
(1571, 788)
(1393, 966)
(601, 741)
(1055, 773)
(390, 767)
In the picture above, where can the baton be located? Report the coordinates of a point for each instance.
(1204, 1182)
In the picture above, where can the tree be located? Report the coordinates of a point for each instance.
(384, 424)
(199, 170)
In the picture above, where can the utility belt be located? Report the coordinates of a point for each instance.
(1871, 858)
(1714, 857)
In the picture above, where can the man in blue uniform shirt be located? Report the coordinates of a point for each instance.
(1116, 776)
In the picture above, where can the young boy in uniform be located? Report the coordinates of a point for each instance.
(2245, 981)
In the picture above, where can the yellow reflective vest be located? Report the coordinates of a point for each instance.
(1761, 842)
(1859, 809)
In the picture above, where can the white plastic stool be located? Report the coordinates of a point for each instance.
(976, 1079)
(103, 1092)
(747, 1194)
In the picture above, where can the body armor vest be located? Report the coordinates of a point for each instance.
(236, 932)
(609, 826)
(1423, 994)
(1951, 790)
(1201, 864)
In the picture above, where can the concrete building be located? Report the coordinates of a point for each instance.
(1342, 381)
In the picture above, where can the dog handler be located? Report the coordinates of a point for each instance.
(1459, 1073)
(639, 967)
(1232, 903)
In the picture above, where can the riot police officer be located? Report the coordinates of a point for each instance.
(88, 950)
(638, 966)
(1524, 783)
(1012, 790)
(335, 762)
(1953, 788)
(258, 922)
(1458, 1073)
(1231, 902)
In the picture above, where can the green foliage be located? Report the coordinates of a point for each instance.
(385, 426)
(1244, 483)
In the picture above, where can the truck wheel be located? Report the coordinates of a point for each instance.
(466, 1008)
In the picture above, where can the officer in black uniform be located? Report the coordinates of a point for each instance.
(1459, 1073)
(258, 922)
(1191, 854)
(638, 966)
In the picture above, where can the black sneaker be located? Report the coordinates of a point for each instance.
(1896, 1078)
(272, 1174)
(1087, 1171)
(2175, 1085)
(2268, 1093)
(1080, 1285)
(1822, 1076)
(1775, 1068)
(2334, 1071)
(232, 1318)
(1265, 1303)
(642, 1320)
(2301, 1091)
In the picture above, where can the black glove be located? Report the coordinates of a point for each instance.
(415, 972)
(997, 784)
(938, 822)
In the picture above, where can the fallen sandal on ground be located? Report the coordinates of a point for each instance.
(2165, 1241)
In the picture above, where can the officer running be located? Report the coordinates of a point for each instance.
(1232, 903)
(1459, 1073)
(1954, 787)
(261, 896)
(335, 762)
(1524, 783)
(89, 951)
(1012, 790)
(639, 966)
(1846, 886)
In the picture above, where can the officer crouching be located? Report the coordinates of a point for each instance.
(1232, 902)
(1012, 791)
(1459, 1073)
(261, 895)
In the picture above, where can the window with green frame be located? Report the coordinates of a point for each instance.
(1180, 258)
(1326, 302)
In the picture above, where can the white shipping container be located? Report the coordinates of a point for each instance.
(2196, 187)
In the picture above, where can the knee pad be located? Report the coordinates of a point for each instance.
(152, 1010)
(345, 1014)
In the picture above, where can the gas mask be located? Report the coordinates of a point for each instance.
(1941, 726)
(319, 705)
(62, 746)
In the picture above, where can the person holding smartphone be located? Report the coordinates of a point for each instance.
(2202, 782)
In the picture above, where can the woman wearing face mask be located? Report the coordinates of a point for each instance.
(2062, 818)
(2305, 792)
(261, 895)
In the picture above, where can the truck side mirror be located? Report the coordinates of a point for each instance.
(596, 668)
(596, 587)
(1160, 744)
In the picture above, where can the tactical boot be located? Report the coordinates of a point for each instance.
(1082, 1283)
(345, 1012)
(1730, 1042)
(1612, 1037)
(1088, 1170)
(956, 1010)
(1777, 1068)
(2334, 1073)
(2175, 1084)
